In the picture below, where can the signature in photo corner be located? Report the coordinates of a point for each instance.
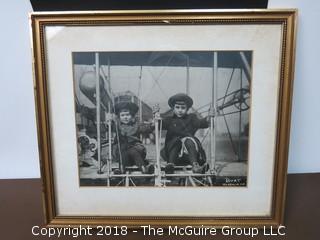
(233, 180)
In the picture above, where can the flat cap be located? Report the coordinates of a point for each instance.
(180, 98)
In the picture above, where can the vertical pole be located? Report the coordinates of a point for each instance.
(109, 162)
(140, 116)
(240, 117)
(98, 109)
(247, 67)
(140, 100)
(158, 167)
(188, 76)
(127, 182)
(140, 110)
(214, 106)
(140, 95)
(109, 76)
(112, 101)
(109, 136)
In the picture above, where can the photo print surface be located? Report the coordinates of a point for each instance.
(162, 119)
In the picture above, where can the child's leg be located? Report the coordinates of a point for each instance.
(120, 154)
(125, 159)
(192, 155)
(137, 156)
(193, 158)
(173, 154)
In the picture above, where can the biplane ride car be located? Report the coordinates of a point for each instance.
(116, 149)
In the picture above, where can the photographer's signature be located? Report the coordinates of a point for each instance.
(234, 181)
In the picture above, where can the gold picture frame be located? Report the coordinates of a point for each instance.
(45, 95)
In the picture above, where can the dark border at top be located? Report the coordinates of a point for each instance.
(85, 5)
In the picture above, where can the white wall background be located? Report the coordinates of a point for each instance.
(18, 140)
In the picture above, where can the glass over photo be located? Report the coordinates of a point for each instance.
(161, 119)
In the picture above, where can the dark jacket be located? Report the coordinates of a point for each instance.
(130, 133)
(129, 138)
(178, 128)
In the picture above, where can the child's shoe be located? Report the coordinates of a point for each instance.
(169, 168)
(196, 168)
(148, 169)
(117, 171)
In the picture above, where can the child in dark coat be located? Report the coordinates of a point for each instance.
(127, 140)
(181, 145)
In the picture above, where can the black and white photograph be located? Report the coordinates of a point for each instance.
(143, 114)
(163, 118)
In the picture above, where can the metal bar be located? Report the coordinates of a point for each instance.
(212, 143)
(116, 125)
(206, 105)
(229, 83)
(240, 119)
(140, 110)
(140, 95)
(209, 180)
(160, 136)
(120, 182)
(218, 99)
(132, 175)
(108, 181)
(127, 183)
(214, 106)
(133, 184)
(109, 75)
(246, 66)
(229, 94)
(188, 76)
(154, 175)
(118, 143)
(109, 162)
(205, 136)
(198, 181)
(103, 167)
(158, 166)
(106, 84)
(231, 103)
(97, 65)
(189, 174)
(229, 113)
(140, 99)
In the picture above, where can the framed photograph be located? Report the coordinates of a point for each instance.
(167, 117)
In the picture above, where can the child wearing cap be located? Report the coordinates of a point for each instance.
(181, 145)
(132, 152)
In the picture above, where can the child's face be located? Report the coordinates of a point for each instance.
(125, 117)
(180, 110)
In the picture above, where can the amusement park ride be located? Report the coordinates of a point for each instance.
(95, 136)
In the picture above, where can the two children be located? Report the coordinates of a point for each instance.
(181, 145)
